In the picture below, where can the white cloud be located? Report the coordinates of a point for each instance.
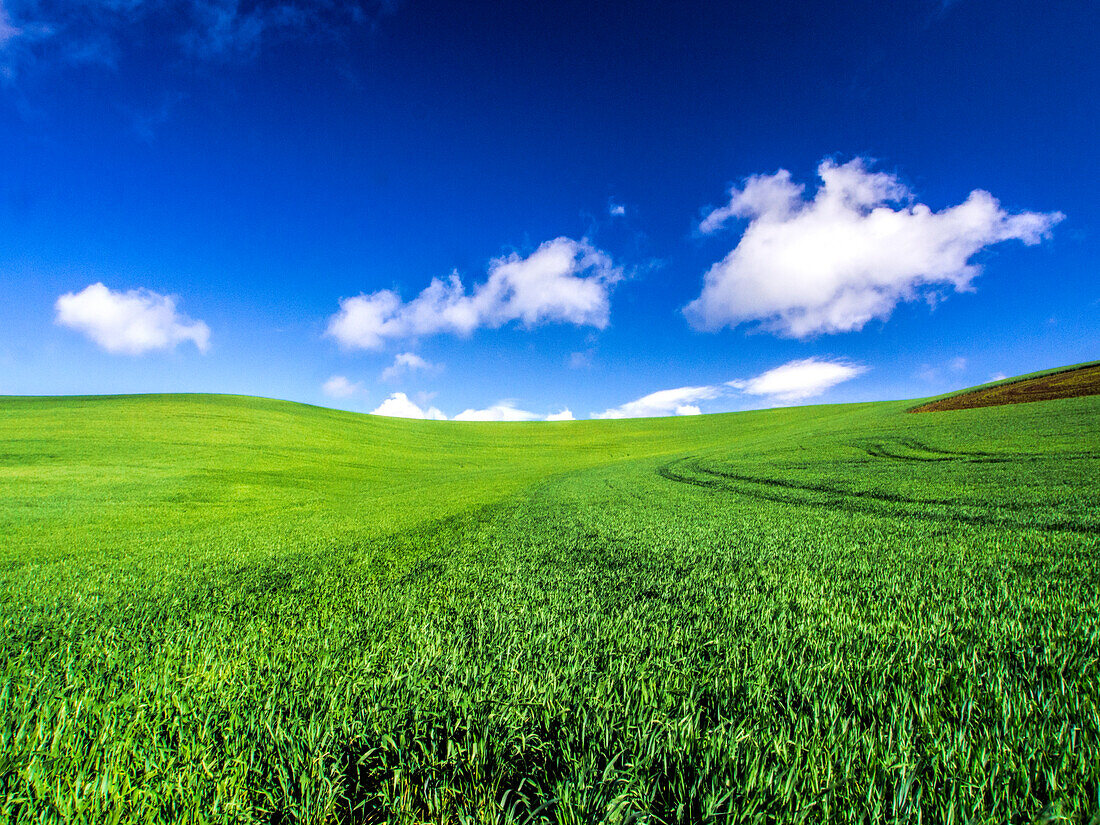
(503, 411)
(398, 405)
(849, 254)
(958, 364)
(407, 362)
(799, 380)
(563, 281)
(677, 401)
(130, 322)
(340, 387)
(793, 381)
(997, 376)
(616, 210)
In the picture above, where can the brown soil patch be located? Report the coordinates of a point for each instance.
(1069, 384)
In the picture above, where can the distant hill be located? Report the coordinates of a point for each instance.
(1064, 382)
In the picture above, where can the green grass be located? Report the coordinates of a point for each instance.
(226, 609)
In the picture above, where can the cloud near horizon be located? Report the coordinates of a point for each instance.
(794, 381)
(129, 323)
(679, 401)
(563, 281)
(799, 380)
(399, 405)
(848, 254)
(502, 411)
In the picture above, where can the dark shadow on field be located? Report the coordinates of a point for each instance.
(518, 787)
(378, 781)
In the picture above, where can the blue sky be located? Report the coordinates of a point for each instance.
(729, 205)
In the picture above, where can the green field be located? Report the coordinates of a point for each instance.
(228, 609)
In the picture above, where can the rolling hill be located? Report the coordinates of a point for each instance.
(230, 609)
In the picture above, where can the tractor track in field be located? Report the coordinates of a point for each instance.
(785, 491)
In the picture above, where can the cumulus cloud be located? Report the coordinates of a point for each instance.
(130, 322)
(502, 411)
(679, 401)
(563, 281)
(399, 405)
(849, 254)
(405, 362)
(616, 210)
(340, 387)
(799, 380)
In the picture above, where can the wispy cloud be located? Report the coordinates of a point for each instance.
(405, 362)
(95, 30)
(563, 281)
(848, 254)
(338, 386)
(129, 323)
(18, 38)
(147, 122)
(794, 381)
(799, 380)
(935, 372)
(8, 31)
(580, 360)
(678, 401)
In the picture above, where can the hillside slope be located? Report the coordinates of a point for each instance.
(1067, 382)
(223, 609)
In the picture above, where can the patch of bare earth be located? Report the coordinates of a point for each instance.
(1069, 384)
